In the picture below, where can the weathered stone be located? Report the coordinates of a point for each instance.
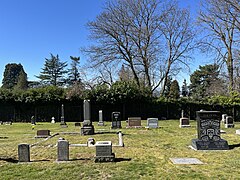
(104, 152)
(24, 153)
(152, 123)
(134, 122)
(43, 133)
(88, 128)
(100, 122)
(63, 150)
(184, 122)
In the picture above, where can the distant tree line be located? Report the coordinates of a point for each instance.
(140, 46)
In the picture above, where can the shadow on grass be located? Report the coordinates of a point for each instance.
(10, 160)
(122, 159)
(232, 146)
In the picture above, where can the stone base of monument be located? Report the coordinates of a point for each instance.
(210, 145)
(87, 130)
(184, 122)
(105, 158)
(101, 123)
(229, 125)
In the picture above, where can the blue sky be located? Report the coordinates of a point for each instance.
(32, 29)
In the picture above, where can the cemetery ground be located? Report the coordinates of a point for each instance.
(146, 154)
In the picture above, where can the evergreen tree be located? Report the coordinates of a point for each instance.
(22, 83)
(203, 81)
(74, 74)
(53, 72)
(174, 90)
(11, 76)
(184, 89)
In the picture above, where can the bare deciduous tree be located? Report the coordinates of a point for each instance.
(135, 33)
(220, 33)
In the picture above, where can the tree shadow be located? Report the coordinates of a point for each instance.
(122, 159)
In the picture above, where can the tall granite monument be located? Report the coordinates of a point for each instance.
(88, 128)
(208, 129)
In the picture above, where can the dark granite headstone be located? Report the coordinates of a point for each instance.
(208, 128)
(116, 120)
(43, 133)
(24, 153)
(88, 128)
(104, 152)
(134, 122)
(229, 122)
(63, 150)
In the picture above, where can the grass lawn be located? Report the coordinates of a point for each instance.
(146, 154)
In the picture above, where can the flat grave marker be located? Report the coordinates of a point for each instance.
(186, 161)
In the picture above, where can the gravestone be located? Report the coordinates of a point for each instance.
(63, 150)
(104, 152)
(43, 133)
(23, 153)
(53, 120)
(63, 123)
(100, 122)
(77, 124)
(186, 161)
(229, 122)
(224, 116)
(184, 122)
(88, 128)
(208, 128)
(116, 120)
(152, 122)
(134, 122)
(33, 120)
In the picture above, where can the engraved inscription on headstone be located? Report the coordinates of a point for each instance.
(152, 123)
(116, 120)
(208, 128)
(104, 152)
(134, 122)
(24, 153)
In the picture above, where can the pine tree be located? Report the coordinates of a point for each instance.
(174, 90)
(53, 72)
(184, 89)
(74, 74)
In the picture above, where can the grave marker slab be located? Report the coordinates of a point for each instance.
(152, 123)
(43, 134)
(229, 123)
(23, 153)
(184, 122)
(186, 161)
(134, 122)
(208, 128)
(116, 120)
(77, 124)
(63, 150)
(104, 152)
